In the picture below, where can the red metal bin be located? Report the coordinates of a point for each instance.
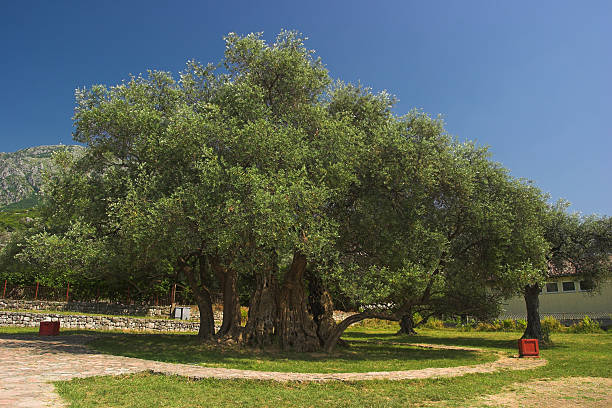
(529, 348)
(49, 328)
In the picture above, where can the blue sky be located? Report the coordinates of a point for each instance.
(533, 80)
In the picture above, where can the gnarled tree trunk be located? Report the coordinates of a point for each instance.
(203, 299)
(228, 277)
(296, 327)
(262, 320)
(532, 301)
(407, 324)
(321, 306)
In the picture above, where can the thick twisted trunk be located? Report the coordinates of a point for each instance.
(203, 299)
(296, 327)
(262, 320)
(207, 321)
(532, 301)
(407, 325)
(228, 277)
(321, 307)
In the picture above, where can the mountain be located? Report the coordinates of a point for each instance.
(21, 174)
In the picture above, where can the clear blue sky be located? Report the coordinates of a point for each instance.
(533, 80)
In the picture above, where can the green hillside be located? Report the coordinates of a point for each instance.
(21, 175)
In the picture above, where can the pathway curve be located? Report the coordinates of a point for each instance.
(28, 364)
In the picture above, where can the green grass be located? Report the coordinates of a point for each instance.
(571, 355)
(362, 356)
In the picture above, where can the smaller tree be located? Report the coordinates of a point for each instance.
(578, 245)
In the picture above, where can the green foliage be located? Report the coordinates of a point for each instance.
(506, 325)
(271, 158)
(587, 325)
(579, 244)
(24, 204)
(17, 219)
(551, 325)
(433, 323)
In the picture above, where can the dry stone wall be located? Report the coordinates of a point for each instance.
(14, 313)
(89, 307)
(25, 319)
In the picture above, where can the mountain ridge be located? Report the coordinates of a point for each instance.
(21, 174)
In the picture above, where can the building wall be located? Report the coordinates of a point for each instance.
(566, 305)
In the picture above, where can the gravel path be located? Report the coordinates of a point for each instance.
(30, 363)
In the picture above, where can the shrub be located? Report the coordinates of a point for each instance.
(521, 325)
(508, 325)
(551, 325)
(587, 325)
(466, 327)
(453, 321)
(505, 325)
(244, 313)
(377, 324)
(486, 327)
(434, 323)
(417, 318)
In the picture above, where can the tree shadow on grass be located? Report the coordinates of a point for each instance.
(458, 340)
(366, 351)
(359, 356)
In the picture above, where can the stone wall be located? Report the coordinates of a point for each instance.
(89, 307)
(25, 319)
(116, 309)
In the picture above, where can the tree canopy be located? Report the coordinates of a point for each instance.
(264, 171)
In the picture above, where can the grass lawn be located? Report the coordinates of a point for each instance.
(573, 355)
(378, 353)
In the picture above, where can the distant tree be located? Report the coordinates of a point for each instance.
(432, 225)
(579, 245)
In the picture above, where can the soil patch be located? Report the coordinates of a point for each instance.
(566, 392)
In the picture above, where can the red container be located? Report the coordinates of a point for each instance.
(529, 348)
(49, 328)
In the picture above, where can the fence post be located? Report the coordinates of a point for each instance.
(4, 292)
(36, 293)
(67, 291)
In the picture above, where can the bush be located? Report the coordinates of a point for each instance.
(244, 313)
(546, 341)
(551, 325)
(417, 318)
(434, 323)
(506, 325)
(587, 325)
(521, 325)
(379, 324)
(466, 327)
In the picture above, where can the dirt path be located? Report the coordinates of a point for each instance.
(30, 363)
(590, 392)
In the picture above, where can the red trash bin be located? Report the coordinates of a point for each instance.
(528, 348)
(49, 328)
